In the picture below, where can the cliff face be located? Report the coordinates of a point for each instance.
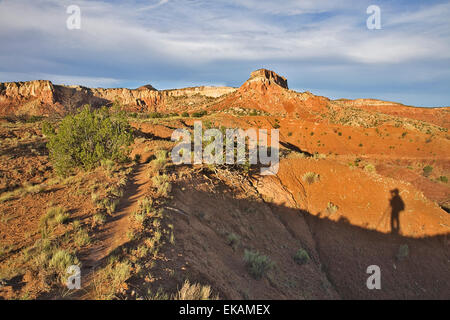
(437, 116)
(266, 77)
(43, 98)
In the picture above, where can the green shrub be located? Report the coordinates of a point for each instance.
(443, 179)
(258, 265)
(427, 170)
(88, 137)
(155, 115)
(233, 240)
(199, 114)
(301, 256)
(185, 114)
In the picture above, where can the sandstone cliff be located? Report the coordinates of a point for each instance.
(44, 98)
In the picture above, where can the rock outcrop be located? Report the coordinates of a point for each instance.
(267, 77)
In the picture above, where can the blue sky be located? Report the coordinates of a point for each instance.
(322, 46)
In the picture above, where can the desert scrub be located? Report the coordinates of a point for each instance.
(194, 292)
(82, 238)
(311, 177)
(160, 163)
(23, 191)
(301, 256)
(108, 281)
(332, 208)
(146, 205)
(60, 261)
(199, 114)
(99, 218)
(370, 168)
(162, 184)
(443, 179)
(427, 170)
(87, 138)
(233, 240)
(257, 264)
(53, 217)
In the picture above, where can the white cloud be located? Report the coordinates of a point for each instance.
(197, 33)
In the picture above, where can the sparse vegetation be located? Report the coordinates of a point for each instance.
(233, 240)
(199, 114)
(160, 163)
(108, 281)
(162, 184)
(194, 292)
(443, 179)
(53, 217)
(82, 238)
(257, 264)
(311, 177)
(332, 208)
(427, 170)
(301, 256)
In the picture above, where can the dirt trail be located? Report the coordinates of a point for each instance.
(114, 233)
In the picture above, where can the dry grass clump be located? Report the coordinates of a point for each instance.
(20, 192)
(194, 292)
(311, 177)
(332, 208)
(160, 163)
(162, 184)
(53, 217)
(109, 280)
